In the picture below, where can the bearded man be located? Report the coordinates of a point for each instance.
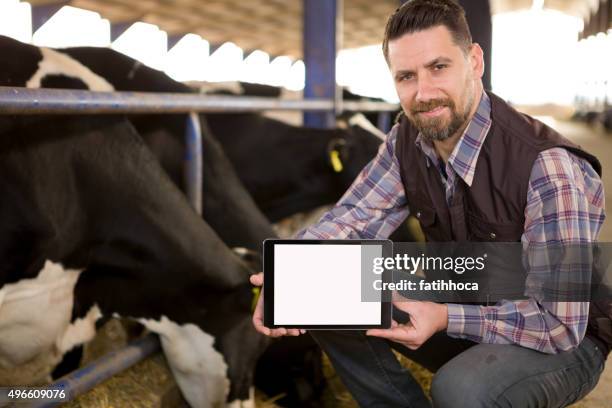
(470, 168)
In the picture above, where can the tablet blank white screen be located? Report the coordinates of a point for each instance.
(320, 285)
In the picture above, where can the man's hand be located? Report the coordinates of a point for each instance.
(426, 319)
(257, 280)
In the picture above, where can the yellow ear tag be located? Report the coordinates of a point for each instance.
(256, 291)
(334, 157)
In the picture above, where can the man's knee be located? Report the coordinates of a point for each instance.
(459, 387)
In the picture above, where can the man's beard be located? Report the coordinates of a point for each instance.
(434, 128)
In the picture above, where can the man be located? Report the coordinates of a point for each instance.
(471, 169)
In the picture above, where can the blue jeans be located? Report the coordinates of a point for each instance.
(467, 375)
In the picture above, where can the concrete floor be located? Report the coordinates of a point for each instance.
(596, 141)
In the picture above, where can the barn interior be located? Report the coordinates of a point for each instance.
(551, 59)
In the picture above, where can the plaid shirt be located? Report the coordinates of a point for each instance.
(565, 203)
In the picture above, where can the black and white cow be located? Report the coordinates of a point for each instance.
(91, 226)
(227, 207)
(293, 176)
(293, 170)
(289, 170)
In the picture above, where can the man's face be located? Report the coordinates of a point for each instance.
(437, 83)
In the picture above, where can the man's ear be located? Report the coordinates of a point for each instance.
(477, 61)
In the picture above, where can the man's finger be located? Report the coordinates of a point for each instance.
(257, 279)
(392, 333)
(259, 326)
(379, 333)
(279, 332)
(400, 333)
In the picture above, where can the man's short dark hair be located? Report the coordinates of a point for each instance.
(418, 15)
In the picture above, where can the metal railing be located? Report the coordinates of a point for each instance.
(64, 101)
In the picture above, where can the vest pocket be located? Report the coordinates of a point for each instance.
(483, 230)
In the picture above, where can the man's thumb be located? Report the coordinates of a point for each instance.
(257, 279)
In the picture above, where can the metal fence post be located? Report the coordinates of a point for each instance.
(320, 42)
(193, 161)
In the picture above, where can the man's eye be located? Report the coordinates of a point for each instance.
(406, 77)
(440, 66)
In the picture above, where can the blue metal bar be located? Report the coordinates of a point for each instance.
(368, 106)
(193, 162)
(384, 121)
(86, 378)
(63, 101)
(321, 18)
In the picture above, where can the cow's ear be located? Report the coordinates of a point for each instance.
(337, 154)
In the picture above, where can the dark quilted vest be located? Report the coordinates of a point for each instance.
(492, 209)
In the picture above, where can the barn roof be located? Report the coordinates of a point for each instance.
(274, 26)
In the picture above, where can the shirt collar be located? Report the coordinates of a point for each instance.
(465, 155)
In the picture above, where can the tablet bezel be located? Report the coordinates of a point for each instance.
(268, 262)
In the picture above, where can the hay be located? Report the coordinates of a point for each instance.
(148, 384)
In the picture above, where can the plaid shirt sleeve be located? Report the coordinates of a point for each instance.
(565, 204)
(372, 207)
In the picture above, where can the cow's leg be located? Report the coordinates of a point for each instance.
(244, 403)
(199, 369)
(210, 369)
(241, 356)
(70, 362)
(208, 377)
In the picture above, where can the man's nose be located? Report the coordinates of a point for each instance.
(426, 91)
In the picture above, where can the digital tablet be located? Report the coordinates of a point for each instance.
(327, 284)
